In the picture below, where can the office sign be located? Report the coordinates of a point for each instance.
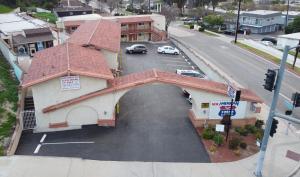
(218, 109)
(70, 83)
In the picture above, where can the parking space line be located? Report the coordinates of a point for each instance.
(193, 67)
(37, 149)
(83, 142)
(43, 138)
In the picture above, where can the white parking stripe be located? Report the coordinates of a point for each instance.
(37, 149)
(193, 67)
(173, 61)
(79, 142)
(43, 138)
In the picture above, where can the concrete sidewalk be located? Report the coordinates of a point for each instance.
(277, 165)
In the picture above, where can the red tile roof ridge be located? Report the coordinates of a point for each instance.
(94, 30)
(150, 76)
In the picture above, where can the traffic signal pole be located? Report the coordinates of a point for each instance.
(264, 143)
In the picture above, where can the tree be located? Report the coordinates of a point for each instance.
(214, 20)
(112, 5)
(197, 12)
(180, 5)
(170, 14)
(293, 27)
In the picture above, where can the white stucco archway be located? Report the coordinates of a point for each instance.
(82, 115)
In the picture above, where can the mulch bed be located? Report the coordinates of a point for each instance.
(224, 154)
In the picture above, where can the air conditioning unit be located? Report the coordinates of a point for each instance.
(21, 50)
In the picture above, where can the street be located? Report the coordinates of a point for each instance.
(153, 124)
(244, 67)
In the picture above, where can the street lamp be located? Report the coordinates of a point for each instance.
(237, 21)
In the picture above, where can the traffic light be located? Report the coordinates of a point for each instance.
(296, 99)
(273, 127)
(270, 80)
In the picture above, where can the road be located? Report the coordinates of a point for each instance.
(153, 123)
(244, 67)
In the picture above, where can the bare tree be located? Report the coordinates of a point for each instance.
(112, 5)
(170, 14)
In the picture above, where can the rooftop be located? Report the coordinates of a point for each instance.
(10, 23)
(151, 76)
(102, 34)
(135, 19)
(291, 36)
(66, 59)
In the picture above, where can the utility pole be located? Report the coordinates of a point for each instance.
(262, 152)
(149, 9)
(287, 14)
(237, 21)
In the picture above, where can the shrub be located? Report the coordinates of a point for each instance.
(237, 152)
(259, 134)
(251, 128)
(241, 131)
(259, 123)
(218, 139)
(234, 143)
(212, 148)
(243, 145)
(191, 26)
(201, 29)
(208, 133)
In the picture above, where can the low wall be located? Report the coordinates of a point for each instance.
(11, 58)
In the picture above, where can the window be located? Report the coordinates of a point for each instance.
(141, 24)
(256, 21)
(71, 13)
(204, 105)
(73, 28)
(123, 36)
(122, 25)
(83, 13)
(140, 34)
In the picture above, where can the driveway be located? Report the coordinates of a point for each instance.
(152, 124)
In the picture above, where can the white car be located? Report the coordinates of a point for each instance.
(267, 43)
(168, 50)
(191, 73)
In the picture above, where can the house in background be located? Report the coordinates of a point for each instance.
(72, 7)
(261, 21)
(32, 40)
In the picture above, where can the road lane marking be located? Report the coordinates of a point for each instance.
(37, 149)
(287, 98)
(79, 142)
(193, 67)
(43, 138)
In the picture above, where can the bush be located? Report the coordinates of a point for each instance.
(259, 134)
(234, 143)
(201, 29)
(192, 26)
(259, 124)
(243, 145)
(251, 128)
(218, 139)
(241, 131)
(208, 133)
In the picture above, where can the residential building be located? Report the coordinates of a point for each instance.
(32, 40)
(72, 7)
(134, 28)
(261, 21)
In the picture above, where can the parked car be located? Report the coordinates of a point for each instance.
(271, 39)
(267, 43)
(191, 73)
(136, 48)
(229, 32)
(168, 50)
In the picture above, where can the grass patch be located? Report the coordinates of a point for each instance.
(266, 56)
(209, 33)
(5, 9)
(49, 17)
(8, 95)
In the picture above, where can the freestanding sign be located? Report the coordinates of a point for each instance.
(70, 83)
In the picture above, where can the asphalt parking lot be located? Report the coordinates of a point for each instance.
(152, 124)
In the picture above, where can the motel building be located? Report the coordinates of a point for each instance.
(73, 84)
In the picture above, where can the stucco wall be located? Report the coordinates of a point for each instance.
(111, 58)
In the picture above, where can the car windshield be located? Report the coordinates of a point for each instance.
(190, 74)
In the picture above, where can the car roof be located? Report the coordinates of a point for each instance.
(167, 46)
(187, 71)
(139, 45)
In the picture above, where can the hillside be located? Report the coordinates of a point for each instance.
(47, 4)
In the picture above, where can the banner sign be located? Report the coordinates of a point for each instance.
(218, 109)
(70, 83)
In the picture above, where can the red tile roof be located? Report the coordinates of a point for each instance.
(134, 19)
(136, 79)
(66, 59)
(103, 34)
(73, 23)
